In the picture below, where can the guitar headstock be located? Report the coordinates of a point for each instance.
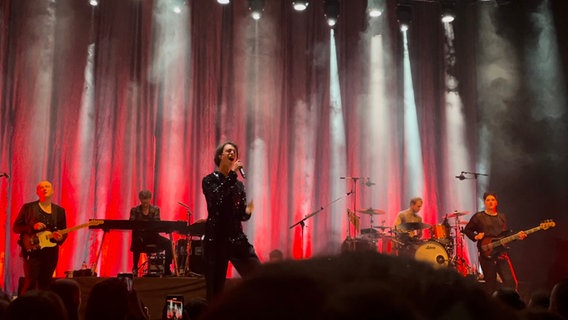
(96, 222)
(549, 223)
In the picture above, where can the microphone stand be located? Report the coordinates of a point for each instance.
(303, 224)
(354, 188)
(474, 174)
(186, 269)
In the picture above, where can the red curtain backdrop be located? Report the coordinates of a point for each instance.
(105, 101)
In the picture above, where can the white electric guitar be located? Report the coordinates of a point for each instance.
(36, 241)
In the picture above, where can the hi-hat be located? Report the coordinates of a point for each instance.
(381, 227)
(369, 231)
(411, 226)
(371, 211)
(456, 214)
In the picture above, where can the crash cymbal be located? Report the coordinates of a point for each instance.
(456, 214)
(410, 226)
(371, 211)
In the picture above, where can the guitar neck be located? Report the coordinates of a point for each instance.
(516, 236)
(77, 227)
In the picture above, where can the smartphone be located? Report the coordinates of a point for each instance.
(174, 306)
(128, 278)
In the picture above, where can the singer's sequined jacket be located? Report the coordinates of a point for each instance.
(226, 204)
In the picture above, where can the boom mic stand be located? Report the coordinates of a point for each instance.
(303, 224)
(354, 188)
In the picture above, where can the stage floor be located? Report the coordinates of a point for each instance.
(152, 291)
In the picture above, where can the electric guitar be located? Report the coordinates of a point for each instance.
(488, 246)
(36, 241)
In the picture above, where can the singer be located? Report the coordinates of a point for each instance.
(226, 208)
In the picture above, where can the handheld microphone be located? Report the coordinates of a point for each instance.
(242, 171)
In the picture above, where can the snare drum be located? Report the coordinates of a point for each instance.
(432, 252)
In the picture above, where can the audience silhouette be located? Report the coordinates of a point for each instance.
(357, 285)
(37, 305)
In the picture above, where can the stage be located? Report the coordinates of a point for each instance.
(152, 291)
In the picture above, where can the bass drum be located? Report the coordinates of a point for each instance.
(357, 245)
(433, 253)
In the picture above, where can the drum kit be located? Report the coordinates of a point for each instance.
(443, 247)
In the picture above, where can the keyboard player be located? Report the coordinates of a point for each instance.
(141, 238)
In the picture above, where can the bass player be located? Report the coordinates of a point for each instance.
(483, 227)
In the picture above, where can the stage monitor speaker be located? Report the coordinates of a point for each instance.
(196, 259)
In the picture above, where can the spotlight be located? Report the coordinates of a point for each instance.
(256, 7)
(178, 7)
(331, 9)
(375, 8)
(404, 16)
(223, 2)
(448, 12)
(93, 3)
(300, 5)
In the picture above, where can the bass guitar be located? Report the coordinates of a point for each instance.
(489, 246)
(37, 241)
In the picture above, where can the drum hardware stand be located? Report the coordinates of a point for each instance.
(186, 270)
(303, 224)
(458, 261)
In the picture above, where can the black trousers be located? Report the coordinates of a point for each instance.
(39, 267)
(498, 265)
(217, 256)
(160, 242)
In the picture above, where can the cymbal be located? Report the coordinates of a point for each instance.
(369, 230)
(381, 227)
(410, 226)
(371, 211)
(456, 214)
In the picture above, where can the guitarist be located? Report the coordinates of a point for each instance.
(482, 227)
(41, 215)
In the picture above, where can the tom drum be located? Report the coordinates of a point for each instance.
(440, 231)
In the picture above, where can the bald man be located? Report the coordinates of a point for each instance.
(37, 218)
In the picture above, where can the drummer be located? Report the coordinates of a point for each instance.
(409, 215)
